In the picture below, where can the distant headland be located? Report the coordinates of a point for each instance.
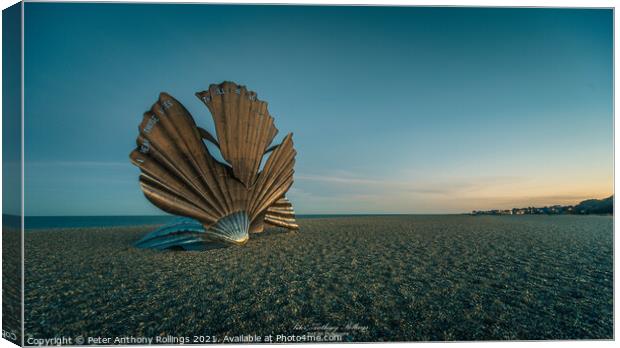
(590, 206)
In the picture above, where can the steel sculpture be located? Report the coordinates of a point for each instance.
(224, 201)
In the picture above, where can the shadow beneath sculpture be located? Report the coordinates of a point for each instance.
(273, 231)
(198, 247)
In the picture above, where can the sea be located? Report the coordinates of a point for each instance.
(49, 222)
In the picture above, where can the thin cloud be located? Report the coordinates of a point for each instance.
(77, 164)
(445, 186)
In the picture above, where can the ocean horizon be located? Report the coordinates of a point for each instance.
(51, 222)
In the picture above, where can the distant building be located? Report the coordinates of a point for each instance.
(591, 206)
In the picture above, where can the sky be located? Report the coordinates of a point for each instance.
(393, 109)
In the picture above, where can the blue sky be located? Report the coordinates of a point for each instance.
(394, 110)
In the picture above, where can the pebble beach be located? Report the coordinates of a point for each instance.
(367, 278)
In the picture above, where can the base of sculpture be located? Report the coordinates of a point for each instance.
(189, 234)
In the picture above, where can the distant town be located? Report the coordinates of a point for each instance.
(590, 206)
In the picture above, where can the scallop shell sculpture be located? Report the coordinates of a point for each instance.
(222, 202)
